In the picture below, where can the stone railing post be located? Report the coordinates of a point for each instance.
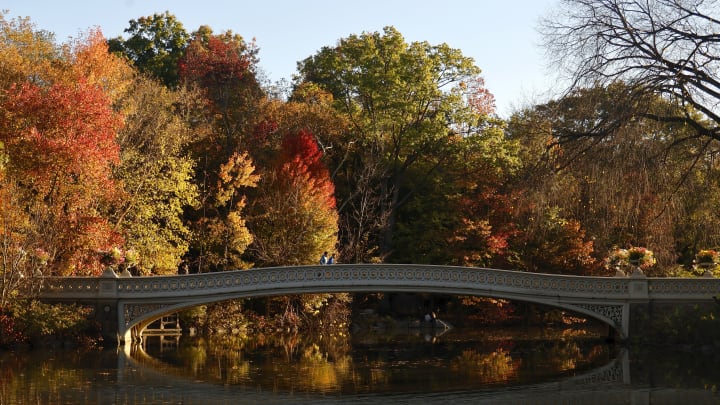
(106, 306)
(638, 285)
(108, 284)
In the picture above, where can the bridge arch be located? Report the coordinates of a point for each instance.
(140, 316)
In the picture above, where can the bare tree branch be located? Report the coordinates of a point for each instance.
(663, 47)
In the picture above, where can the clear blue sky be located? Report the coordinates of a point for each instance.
(501, 36)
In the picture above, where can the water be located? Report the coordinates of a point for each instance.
(414, 366)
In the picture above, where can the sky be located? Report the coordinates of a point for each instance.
(500, 35)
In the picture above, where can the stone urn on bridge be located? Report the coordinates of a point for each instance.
(631, 261)
(707, 260)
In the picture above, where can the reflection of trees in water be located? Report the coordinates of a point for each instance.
(562, 356)
(333, 363)
(195, 355)
(322, 361)
(515, 361)
(321, 373)
(43, 377)
(490, 367)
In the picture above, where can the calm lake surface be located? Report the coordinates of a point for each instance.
(413, 366)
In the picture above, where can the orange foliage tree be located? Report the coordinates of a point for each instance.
(223, 231)
(59, 146)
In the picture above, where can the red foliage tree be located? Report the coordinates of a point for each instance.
(214, 63)
(294, 217)
(300, 153)
(222, 66)
(60, 143)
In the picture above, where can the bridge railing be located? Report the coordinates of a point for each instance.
(357, 275)
(679, 288)
(366, 277)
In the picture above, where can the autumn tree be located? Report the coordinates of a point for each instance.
(60, 144)
(24, 50)
(155, 168)
(632, 188)
(483, 219)
(157, 173)
(294, 216)
(310, 109)
(86, 58)
(221, 68)
(26, 53)
(294, 219)
(222, 234)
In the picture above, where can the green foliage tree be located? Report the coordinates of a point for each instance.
(155, 45)
(408, 106)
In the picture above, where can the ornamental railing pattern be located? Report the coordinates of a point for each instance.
(353, 276)
(671, 288)
(612, 312)
(357, 277)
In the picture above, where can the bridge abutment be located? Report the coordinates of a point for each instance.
(107, 307)
(681, 323)
(106, 315)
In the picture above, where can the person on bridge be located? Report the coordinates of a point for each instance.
(324, 258)
(331, 260)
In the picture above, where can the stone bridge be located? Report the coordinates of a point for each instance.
(125, 306)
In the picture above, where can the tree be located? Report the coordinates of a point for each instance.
(311, 110)
(406, 103)
(221, 235)
(629, 188)
(60, 144)
(155, 45)
(221, 69)
(58, 135)
(87, 59)
(26, 53)
(484, 221)
(659, 47)
(157, 173)
(294, 218)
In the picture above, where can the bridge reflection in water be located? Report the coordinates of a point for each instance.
(127, 306)
(609, 384)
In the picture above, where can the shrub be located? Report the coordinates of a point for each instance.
(34, 321)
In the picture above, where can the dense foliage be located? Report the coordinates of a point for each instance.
(165, 146)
